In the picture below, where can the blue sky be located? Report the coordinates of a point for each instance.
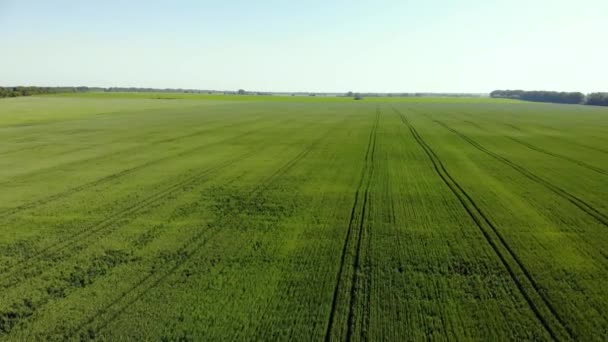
(410, 46)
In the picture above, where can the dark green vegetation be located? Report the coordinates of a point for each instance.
(593, 99)
(597, 99)
(200, 218)
(29, 91)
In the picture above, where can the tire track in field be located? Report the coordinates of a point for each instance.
(519, 129)
(59, 153)
(291, 163)
(181, 110)
(359, 269)
(368, 282)
(549, 153)
(578, 202)
(21, 149)
(11, 211)
(559, 138)
(127, 150)
(361, 195)
(538, 302)
(280, 172)
(560, 156)
(112, 112)
(514, 127)
(195, 244)
(602, 254)
(6, 329)
(28, 148)
(130, 211)
(74, 240)
(265, 310)
(474, 124)
(593, 148)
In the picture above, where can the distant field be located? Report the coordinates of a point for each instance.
(128, 217)
(277, 98)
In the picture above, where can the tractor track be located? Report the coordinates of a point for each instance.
(554, 324)
(195, 244)
(154, 199)
(108, 221)
(559, 138)
(120, 152)
(362, 192)
(556, 155)
(566, 140)
(195, 241)
(11, 211)
(183, 111)
(74, 240)
(358, 267)
(291, 163)
(543, 151)
(578, 202)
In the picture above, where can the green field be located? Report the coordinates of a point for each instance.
(202, 218)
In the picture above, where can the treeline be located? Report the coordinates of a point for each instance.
(28, 91)
(595, 99)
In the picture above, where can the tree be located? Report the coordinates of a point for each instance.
(241, 92)
(28, 91)
(540, 96)
(358, 97)
(597, 99)
(350, 94)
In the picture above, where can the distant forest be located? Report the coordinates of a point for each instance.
(594, 99)
(28, 91)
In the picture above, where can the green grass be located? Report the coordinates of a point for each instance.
(126, 217)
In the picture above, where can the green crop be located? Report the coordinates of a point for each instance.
(210, 217)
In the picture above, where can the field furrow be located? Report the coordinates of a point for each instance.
(539, 303)
(575, 200)
(111, 177)
(542, 150)
(353, 240)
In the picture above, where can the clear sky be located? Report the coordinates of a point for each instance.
(392, 45)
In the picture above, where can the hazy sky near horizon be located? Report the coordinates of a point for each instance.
(392, 45)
